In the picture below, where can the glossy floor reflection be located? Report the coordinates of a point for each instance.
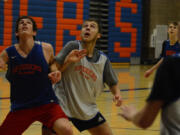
(134, 89)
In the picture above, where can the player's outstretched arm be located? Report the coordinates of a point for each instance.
(151, 70)
(143, 118)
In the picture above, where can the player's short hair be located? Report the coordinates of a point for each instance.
(174, 23)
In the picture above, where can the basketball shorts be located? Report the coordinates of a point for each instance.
(82, 125)
(17, 122)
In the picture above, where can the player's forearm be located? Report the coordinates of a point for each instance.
(157, 65)
(115, 89)
(63, 66)
(145, 117)
(139, 120)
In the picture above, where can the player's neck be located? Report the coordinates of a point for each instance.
(172, 39)
(89, 47)
(26, 44)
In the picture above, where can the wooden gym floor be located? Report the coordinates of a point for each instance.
(134, 89)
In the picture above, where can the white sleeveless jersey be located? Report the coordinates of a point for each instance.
(81, 83)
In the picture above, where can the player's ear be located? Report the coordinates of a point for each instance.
(34, 33)
(99, 35)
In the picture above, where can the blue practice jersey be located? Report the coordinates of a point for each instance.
(169, 49)
(28, 77)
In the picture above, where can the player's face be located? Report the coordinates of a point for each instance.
(90, 31)
(172, 29)
(25, 27)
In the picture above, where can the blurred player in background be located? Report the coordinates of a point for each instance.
(169, 47)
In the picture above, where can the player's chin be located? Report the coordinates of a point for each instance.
(86, 39)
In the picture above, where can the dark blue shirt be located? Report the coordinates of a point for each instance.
(166, 83)
(168, 49)
(28, 77)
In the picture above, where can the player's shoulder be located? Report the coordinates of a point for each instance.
(11, 48)
(44, 44)
(166, 42)
(73, 43)
(101, 53)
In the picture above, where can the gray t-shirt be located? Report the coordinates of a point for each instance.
(170, 121)
(82, 82)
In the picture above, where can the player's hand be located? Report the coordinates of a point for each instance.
(148, 73)
(128, 112)
(117, 99)
(55, 76)
(76, 55)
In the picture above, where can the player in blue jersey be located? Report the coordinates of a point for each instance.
(84, 72)
(169, 47)
(31, 72)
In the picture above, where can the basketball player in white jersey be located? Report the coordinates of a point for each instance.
(84, 72)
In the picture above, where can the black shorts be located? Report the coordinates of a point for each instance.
(82, 125)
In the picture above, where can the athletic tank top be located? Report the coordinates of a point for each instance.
(169, 49)
(81, 83)
(28, 77)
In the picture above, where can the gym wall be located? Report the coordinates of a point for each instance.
(59, 21)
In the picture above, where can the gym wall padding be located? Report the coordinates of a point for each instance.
(59, 21)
